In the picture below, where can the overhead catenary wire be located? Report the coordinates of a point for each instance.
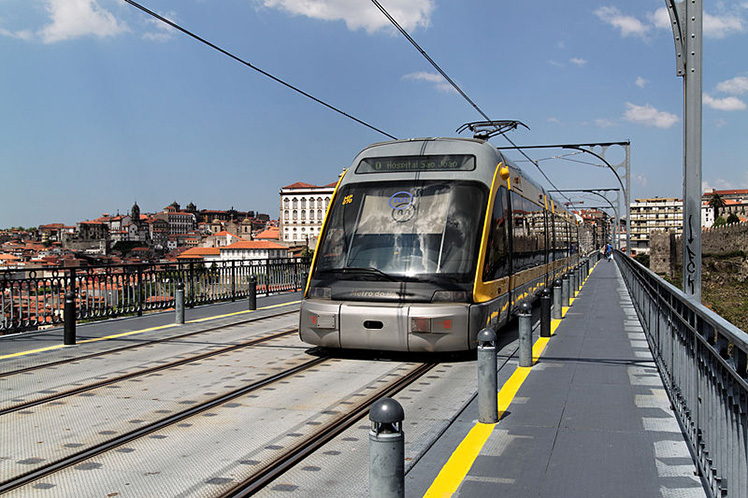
(252, 66)
(456, 87)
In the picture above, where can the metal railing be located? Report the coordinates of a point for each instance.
(34, 298)
(703, 360)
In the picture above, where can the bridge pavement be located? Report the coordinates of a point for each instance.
(590, 419)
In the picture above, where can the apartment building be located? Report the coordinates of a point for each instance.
(649, 215)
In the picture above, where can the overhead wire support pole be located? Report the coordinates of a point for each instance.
(252, 66)
(623, 167)
(688, 28)
(597, 191)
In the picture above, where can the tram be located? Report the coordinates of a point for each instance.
(428, 241)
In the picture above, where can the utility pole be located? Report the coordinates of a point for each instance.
(687, 21)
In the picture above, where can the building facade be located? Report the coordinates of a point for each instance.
(302, 210)
(649, 215)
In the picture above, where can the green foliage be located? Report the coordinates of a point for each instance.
(643, 259)
(720, 221)
(733, 218)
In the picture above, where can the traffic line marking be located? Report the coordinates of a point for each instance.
(459, 463)
(134, 332)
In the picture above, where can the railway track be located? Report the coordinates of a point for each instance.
(143, 372)
(335, 421)
(65, 361)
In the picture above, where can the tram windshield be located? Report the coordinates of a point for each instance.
(427, 231)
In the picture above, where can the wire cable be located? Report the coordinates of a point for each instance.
(456, 87)
(251, 66)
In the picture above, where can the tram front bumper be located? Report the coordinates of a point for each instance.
(384, 326)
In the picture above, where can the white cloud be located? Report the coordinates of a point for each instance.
(77, 18)
(628, 25)
(649, 116)
(641, 82)
(578, 61)
(722, 26)
(160, 31)
(715, 26)
(436, 79)
(409, 14)
(641, 180)
(20, 35)
(734, 86)
(554, 120)
(605, 123)
(725, 104)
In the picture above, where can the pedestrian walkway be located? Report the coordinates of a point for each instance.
(590, 418)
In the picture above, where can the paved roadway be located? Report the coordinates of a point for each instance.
(590, 418)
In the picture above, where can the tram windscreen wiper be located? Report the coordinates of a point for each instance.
(361, 270)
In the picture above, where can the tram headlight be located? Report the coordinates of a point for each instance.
(320, 292)
(420, 325)
(450, 296)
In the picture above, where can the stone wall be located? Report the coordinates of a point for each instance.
(666, 253)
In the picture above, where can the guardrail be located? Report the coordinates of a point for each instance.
(703, 360)
(33, 298)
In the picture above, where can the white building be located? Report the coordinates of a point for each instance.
(648, 215)
(253, 249)
(302, 210)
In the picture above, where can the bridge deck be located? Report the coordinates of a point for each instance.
(590, 418)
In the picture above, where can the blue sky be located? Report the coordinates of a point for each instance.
(103, 106)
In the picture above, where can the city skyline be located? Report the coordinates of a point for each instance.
(105, 106)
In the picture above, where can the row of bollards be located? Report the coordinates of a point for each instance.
(386, 437)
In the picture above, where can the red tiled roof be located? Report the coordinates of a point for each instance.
(300, 185)
(199, 252)
(270, 233)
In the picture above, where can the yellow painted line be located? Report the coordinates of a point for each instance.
(555, 322)
(454, 472)
(133, 332)
(457, 467)
(242, 312)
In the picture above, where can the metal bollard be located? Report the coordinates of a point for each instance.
(179, 304)
(386, 449)
(557, 299)
(252, 293)
(545, 313)
(69, 333)
(573, 284)
(525, 335)
(565, 290)
(488, 403)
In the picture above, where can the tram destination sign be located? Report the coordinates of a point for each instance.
(399, 164)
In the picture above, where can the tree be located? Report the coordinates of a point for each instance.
(733, 218)
(717, 203)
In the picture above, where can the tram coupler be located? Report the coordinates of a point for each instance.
(179, 304)
(525, 335)
(69, 332)
(252, 293)
(488, 407)
(557, 299)
(386, 449)
(545, 313)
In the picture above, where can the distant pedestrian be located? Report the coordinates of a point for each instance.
(608, 252)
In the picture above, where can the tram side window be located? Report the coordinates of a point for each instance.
(497, 249)
(528, 234)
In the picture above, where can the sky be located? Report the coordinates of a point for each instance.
(102, 106)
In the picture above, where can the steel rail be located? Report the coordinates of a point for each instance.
(326, 433)
(95, 450)
(140, 344)
(140, 373)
